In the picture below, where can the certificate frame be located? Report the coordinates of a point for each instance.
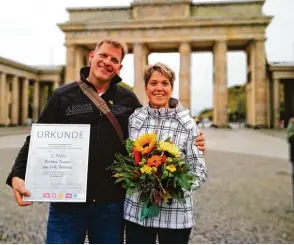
(57, 164)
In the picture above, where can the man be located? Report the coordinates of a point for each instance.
(101, 215)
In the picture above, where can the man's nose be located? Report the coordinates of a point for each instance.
(107, 60)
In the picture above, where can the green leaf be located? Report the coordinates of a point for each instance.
(186, 167)
(164, 175)
(184, 183)
(129, 145)
(153, 211)
(130, 183)
(168, 139)
(175, 181)
(149, 211)
(120, 179)
(131, 191)
(144, 211)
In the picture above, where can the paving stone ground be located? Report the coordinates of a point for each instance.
(246, 199)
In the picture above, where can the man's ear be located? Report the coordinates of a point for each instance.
(91, 56)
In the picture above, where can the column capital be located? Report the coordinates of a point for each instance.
(70, 45)
(259, 39)
(221, 40)
(142, 46)
(185, 48)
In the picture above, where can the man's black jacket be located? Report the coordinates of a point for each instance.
(69, 105)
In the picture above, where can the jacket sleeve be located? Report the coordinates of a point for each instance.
(195, 158)
(48, 115)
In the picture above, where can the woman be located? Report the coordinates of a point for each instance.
(165, 117)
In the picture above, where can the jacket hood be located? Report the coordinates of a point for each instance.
(175, 110)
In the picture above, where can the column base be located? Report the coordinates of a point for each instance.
(220, 126)
(256, 126)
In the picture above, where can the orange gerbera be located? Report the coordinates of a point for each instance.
(154, 161)
(145, 143)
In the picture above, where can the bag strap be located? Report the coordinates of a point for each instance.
(102, 106)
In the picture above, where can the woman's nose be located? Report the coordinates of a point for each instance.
(158, 87)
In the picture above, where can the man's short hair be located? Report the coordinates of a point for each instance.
(163, 69)
(114, 44)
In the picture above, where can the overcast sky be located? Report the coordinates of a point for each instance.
(29, 35)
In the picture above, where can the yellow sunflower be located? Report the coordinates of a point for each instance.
(145, 143)
(170, 148)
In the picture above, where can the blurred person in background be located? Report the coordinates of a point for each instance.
(290, 135)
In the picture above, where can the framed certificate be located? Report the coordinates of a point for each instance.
(57, 166)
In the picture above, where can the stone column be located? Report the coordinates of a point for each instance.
(3, 102)
(185, 74)
(86, 53)
(36, 101)
(250, 96)
(79, 61)
(70, 70)
(15, 101)
(276, 102)
(8, 102)
(55, 85)
(25, 102)
(42, 103)
(220, 93)
(261, 85)
(140, 64)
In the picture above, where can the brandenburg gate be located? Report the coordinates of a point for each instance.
(161, 26)
(185, 27)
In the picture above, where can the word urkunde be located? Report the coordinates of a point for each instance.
(60, 134)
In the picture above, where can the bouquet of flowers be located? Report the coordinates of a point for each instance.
(155, 170)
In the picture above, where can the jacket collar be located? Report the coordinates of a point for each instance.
(84, 74)
(170, 112)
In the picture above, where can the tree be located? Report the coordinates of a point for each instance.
(126, 86)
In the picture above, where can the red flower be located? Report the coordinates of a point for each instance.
(181, 169)
(137, 157)
(163, 159)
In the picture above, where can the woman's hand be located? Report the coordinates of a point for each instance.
(200, 142)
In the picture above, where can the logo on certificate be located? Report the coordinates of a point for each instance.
(46, 195)
(68, 195)
(60, 195)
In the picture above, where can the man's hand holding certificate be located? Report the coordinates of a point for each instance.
(57, 165)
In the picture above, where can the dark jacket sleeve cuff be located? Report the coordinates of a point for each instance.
(14, 174)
